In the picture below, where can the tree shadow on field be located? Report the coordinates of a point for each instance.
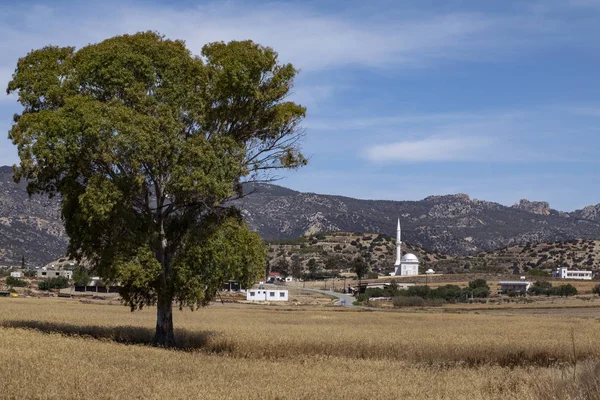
(184, 340)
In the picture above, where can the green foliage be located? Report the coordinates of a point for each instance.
(360, 267)
(296, 267)
(59, 282)
(282, 266)
(12, 281)
(146, 145)
(415, 301)
(81, 276)
(540, 288)
(478, 283)
(563, 290)
(596, 290)
(537, 272)
(446, 293)
(478, 288)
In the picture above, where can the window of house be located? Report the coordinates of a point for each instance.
(272, 294)
(57, 274)
(252, 294)
(43, 274)
(282, 294)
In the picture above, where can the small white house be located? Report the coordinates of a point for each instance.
(267, 295)
(564, 273)
(16, 274)
(514, 286)
(43, 273)
(289, 279)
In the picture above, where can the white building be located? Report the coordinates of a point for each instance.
(405, 265)
(267, 295)
(16, 274)
(564, 273)
(514, 286)
(43, 273)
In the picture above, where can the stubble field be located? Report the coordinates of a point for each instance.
(62, 348)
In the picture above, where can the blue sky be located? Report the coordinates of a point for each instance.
(500, 100)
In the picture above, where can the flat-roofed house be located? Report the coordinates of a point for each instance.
(514, 286)
(564, 273)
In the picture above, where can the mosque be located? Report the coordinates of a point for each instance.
(407, 264)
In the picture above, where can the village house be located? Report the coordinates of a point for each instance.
(267, 295)
(514, 287)
(564, 273)
(44, 273)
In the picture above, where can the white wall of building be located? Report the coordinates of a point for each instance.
(564, 273)
(267, 295)
(54, 273)
(16, 274)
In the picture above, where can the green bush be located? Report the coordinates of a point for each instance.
(414, 301)
(596, 290)
(11, 281)
(540, 288)
(564, 290)
(537, 272)
(60, 282)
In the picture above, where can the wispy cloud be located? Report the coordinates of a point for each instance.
(433, 149)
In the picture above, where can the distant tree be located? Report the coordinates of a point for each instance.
(282, 266)
(478, 283)
(296, 267)
(146, 145)
(596, 290)
(540, 288)
(360, 267)
(81, 276)
(23, 262)
(313, 267)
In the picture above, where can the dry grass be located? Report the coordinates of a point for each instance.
(274, 352)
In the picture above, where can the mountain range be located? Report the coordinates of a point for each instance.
(450, 224)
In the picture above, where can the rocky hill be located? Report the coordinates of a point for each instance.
(453, 224)
(335, 251)
(29, 227)
(522, 259)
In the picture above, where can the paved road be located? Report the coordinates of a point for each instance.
(343, 298)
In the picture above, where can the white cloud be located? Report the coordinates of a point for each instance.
(432, 149)
(311, 41)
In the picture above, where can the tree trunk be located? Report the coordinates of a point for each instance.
(164, 336)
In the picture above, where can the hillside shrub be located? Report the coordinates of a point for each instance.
(537, 272)
(564, 290)
(60, 282)
(16, 282)
(540, 288)
(596, 290)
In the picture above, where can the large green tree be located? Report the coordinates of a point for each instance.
(146, 145)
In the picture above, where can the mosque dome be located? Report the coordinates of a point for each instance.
(409, 257)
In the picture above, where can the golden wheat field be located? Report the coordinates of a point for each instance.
(65, 349)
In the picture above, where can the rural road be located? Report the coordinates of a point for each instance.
(343, 298)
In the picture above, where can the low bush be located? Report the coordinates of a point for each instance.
(60, 282)
(16, 282)
(414, 301)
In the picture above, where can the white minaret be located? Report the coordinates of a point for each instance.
(398, 246)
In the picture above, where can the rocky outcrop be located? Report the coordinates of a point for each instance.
(534, 207)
